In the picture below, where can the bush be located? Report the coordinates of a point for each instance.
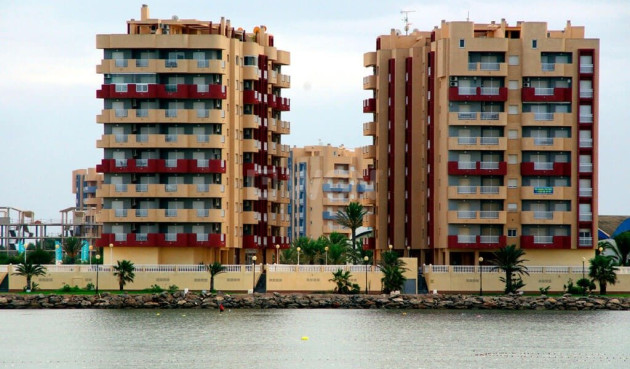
(40, 256)
(544, 290)
(67, 288)
(155, 289)
(572, 289)
(90, 286)
(586, 284)
(173, 288)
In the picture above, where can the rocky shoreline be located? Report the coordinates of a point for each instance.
(179, 300)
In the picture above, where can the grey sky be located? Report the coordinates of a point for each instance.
(47, 72)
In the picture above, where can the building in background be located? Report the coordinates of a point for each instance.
(485, 135)
(85, 183)
(195, 169)
(325, 179)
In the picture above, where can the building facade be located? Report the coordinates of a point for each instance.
(485, 135)
(194, 166)
(85, 184)
(325, 179)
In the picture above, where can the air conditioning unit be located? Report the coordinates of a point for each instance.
(453, 84)
(452, 78)
(525, 84)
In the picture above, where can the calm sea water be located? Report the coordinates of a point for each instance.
(336, 339)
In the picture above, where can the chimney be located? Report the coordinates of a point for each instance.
(144, 12)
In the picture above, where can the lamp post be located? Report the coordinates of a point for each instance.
(480, 276)
(98, 257)
(298, 250)
(583, 275)
(365, 261)
(601, 250)
(111, 253)
(90, 253)
(326, 249)
(277, 254)
(253, 273)
(390, 247)
(408, 251)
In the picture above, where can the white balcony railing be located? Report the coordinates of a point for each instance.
(586, 217)
(466, 238)
(467, 115)
(489, 190)
(490, 91)
(489, 214)
(489, 115)
(489, 165)
(543, 116)
(586, 142)
(586, 192)
(466, 214)
(586, 118)
(467, 90)
(586, 68)
(489, 239)
(543, 214)
(489, 140)
(586, 93)
(467, 189)
(586, 168)
(489, 66)
(543, 141)
(585, 241)
(466, 165)
(543, 91)
(466, 140)
(539, 165)
(543, 239)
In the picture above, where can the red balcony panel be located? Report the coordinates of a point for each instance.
(283, 173)
(453, 169)
(272, 101)
(172, 91)
(213, 91)
(180, 241)
(284, 104)
(251, 242)
(455, 244)
(369, 243)
(558, 242)
(105, 240)
(281, 241)
(162, 166)
(270, 171)
(213, 240)
(560, 94)
(479, 95)
(251, 97)
(369, 105)
(132, 240)
(250, 170)
(214, 166)
(369, 174)
(559, 169)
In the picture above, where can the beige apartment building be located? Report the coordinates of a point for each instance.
(485, 135)
(325, 179)
(194, 166)
(85, 184)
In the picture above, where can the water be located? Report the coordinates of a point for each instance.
(337, 339)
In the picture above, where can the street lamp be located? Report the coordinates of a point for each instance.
(326, 249)
(408, 251)
(277, 254)
(601, 250)
(480, 276)
(111, 253)
(253, 273)
(298, 250)
(390, 247)
(90, 253)
(365, 261)
(98, 257)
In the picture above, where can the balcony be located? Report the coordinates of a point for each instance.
(128, 91)
(476, 242)
(161, 116)
(478, 93)
(369, 152)
(476, 217)
(585, 192)
(283, 104)
(546, 144)
(547, 217)
(585, 217)
(585, 242)
(369, 243)
(283, 80)
(207, 240)
(546, 193)
(586, 94)
(369, 59)
(586, 168)
(545, 242)
(369, 129)
(251, 97)
(550, 119)
(586, 118)
(160, 166)
(486, 68)
(369, 82)
(251, 170)
(477, 168)
(536, 94)
(477, 143)
(212, 91)
(327, 187)
(279, 126)
(477, 192)
(545, 169)
(251, 242)
(586, 68)
(369, 105)
(207, 166)
(476, 118)
(369, 174)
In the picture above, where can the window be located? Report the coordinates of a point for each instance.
(512, 159)
(511, 232)
(513, 60)
(512, 134)
(512, 207)
(513, 85)
(534, 44)
(512, 183)
(462, 43)
(513, 109)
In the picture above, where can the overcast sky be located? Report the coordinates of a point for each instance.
(48, 80)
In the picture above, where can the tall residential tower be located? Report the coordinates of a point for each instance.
(192, 125)
(485, 135)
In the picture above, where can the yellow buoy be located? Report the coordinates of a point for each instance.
(304, 338)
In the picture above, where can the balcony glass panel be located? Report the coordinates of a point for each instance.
(543, 116)
(586, 168)
(466, 238)
(203, 212)
(170, 188)
(586, 68)
(543, 165)
(202, 237)
(490, 91)
(489, 140)
(142, 87)
(586, 94)
(489, 239)
(489, 214)
(170, 212)
(171, 138)
(203, 188)
(203, 113)
(586, 241)
(170, 63)
(140, 113)
(586, 142)
(120, 237)
(203, 138)
(141, 237)
(121, 63)
(539, 91)
(586, 217)
(170, 237)
(586, 118)
(171, 163)
(203, 88)
(120, 213)
(489, 190)
(120, 187)
(468, 115)
(489, 66)
(203, 163)
(171, 113)
(142, 213)
(489, 165)
(467, 90)
(121, 138)
(466, 214)
(466, 165)
(543, 141)
(489, 115)
(142, 63)
(142, 162)
(586, 192)
(543, 239)
(467, 140)
(203, 63)
(121, 87)
(543, 215)
(120, 163)
(121, 113)
(142, 138)
(467, 189)
(548, 67)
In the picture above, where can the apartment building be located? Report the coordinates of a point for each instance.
(194, 166)
(85, 183)
(324, 180)
(484, 135)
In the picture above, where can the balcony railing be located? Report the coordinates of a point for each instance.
(489, 214)
(142, 63)
(585, 241)
(466, 165)
(489, 66)
(170, 212)
(121, 63)
(467, 189)
(203, 187)
(543, 116)
(491, 91)
(466, 214)
(119, 187)
(586, 192)
(586, 168)
(489, 165)
(586, 68)
(489, 239)
(170, 113)
(586, 94)
(586, 118)
(489, 140)
(489, 115)
(142, 188)
(170, 188)
(203, 138)
(489, 190)
(548, 67)
(467, 90)
(142, 162)
(543, 91)
(538, 165)
(170, 163)
(543, 239)
(120, 237)
(170, 237)
(120, 213)
(142, 237)
(203, 113)
(121, 113)
(468, 115)
(586, 142)
(543, 214)
(586, 217)
(140, 113)
(203, 213)
(466, 238)
(466, 140)
(543, 141)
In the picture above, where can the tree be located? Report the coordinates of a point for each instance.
(29, 270)
(620, 248)
(124, 271)
(342, 281)
(393, 269)
(214, 269)
(509, 259)
(602, 269)
(71, 246)
(351, 217)
(40, 256)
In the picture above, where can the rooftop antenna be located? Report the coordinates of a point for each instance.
(405, 19)
(468, 16)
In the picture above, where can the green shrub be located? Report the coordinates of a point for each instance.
(572, 289)
(544, 290)
(155, 289)
(66, 288)
(90, 286)
(586, 284)
(173, 288)
(40, 256)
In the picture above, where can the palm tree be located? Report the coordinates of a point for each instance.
(352, 217)
(392, 268)
(124, 271)
(214, 269)
(342, 282)
(30, 270)
(620, 248)
(603, 270)
(72, 246)
(509, 259)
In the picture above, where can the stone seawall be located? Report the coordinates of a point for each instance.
(179, 300)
